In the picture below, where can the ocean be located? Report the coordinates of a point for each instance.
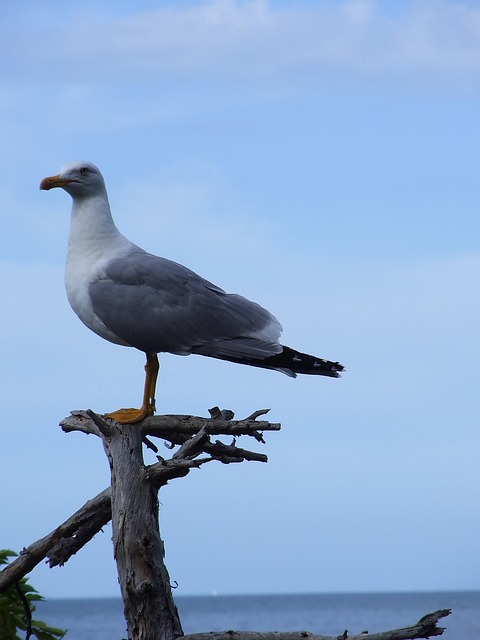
(329, 614)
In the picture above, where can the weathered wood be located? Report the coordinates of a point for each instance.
(132, 503)
(144, 582)
(426, 627)
(166, 426)
(259, 635)
(61, 543)
(189, 432)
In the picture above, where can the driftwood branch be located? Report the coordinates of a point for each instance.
(426, 627)
(191, 433)
(175, 427)
(149, 607)
(63, 542)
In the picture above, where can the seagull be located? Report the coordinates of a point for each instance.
(134, 298)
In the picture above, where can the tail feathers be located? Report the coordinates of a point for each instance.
(292, 362)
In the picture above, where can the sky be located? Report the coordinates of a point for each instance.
(321, 158)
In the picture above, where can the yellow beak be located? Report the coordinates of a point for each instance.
(53, 181)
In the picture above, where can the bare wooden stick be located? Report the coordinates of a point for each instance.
(426, 627)
(162, 426)
(178, 430)
(166, 425)
(61, 543)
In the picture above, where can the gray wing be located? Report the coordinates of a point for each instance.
(157, 305)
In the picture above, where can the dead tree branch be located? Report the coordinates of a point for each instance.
(149, 608)
(174, 428)
(191, 433)
(132, 505)
(426, 627)
(63, 542)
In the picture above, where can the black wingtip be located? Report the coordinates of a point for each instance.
(290, 360)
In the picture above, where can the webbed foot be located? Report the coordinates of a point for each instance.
(131, 416)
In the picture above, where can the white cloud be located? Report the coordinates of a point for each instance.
(227, 40)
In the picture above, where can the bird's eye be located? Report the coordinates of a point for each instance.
(84, 171)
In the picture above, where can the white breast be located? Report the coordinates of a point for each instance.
(93, 242)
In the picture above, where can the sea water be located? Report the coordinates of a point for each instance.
(328, 614)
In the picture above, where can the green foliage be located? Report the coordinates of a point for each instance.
(16, 608)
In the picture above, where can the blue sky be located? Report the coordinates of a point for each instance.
(320, 158)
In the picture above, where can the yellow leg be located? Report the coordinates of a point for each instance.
(130, 416)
